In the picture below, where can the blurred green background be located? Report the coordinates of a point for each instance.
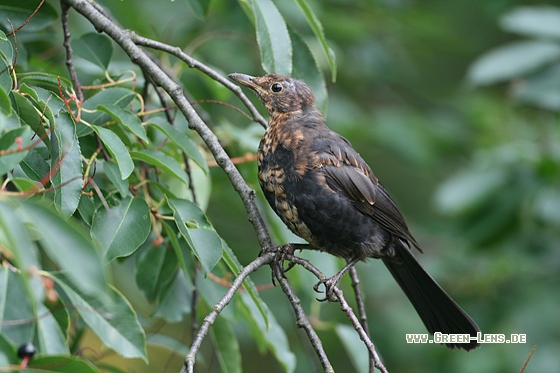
(468, 147)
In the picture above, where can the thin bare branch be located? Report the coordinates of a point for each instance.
(361, 310)
(301, 319)
(127, 40)
(68, 47)
(193, 63)
(219, 307)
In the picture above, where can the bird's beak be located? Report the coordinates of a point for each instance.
(246, 80)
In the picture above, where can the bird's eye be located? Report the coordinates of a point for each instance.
(276, 87)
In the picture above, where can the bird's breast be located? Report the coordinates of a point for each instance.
(279, 169)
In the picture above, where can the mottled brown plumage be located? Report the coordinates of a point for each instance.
(327, 194)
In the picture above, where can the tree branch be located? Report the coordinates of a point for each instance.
(218, 308)
(301, 319)
(124, 39)
(361, 310)
(69, 63)
(191, 62)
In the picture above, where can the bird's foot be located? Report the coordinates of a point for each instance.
(330, 284)
(281, 252)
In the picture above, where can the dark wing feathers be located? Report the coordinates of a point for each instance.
(355, 183)
(348, 173)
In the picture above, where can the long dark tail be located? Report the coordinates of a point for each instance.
(437, 310)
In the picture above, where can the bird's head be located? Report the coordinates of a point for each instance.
(279, 94)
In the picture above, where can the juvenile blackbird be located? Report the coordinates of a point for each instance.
(326, 193)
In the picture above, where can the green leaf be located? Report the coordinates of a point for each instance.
(8, 352)
(273, 38)
(51, 339)
(117, 149)
(183, 142)
(46, 79)
(110, 96)
(272, 336)
(317, 28)
(197, 231)
(112, 172)
(6, 50)
(15, 237)
(29, 115)
(69, 247)
(24, 184)
(11, 141)
(182, 254)
(541, 89)
(155, 270)
(125, 118)
(95, 48)
(227, 347)
(307, 68)
(18, 12)
(15, 307)
(6, 62)
(123, 228)
(162, 161)
(537, 21)
(355, 348)
(5, 103)
(61, 364)
(512, 60)
(170, 343)
(199, 7)
(67, 159)
(86, 208)
(176, 302)
(34, 165)
(235, 267)
(115, 323)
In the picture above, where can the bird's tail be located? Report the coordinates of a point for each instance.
(437, 310)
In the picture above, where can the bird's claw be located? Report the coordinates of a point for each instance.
(329, 283)
(277, 264)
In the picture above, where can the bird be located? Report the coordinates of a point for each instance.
(325, 193)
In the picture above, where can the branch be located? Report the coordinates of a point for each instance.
(361, 332)
(301, 319)
(68, 47)
(346, 308)
(191, 62)
(126, 40)
(218, 308)
(361, 310)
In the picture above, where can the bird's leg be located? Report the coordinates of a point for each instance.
(331, 282)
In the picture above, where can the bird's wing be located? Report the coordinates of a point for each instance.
(347, 173)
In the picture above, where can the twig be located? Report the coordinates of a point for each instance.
(126, 40)
(361, 332)
(68, 47)
(211, 317)
(361, 310)
(27, 20)
(345, 307)
(301, 319)
(528, 358)
(193, 63)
